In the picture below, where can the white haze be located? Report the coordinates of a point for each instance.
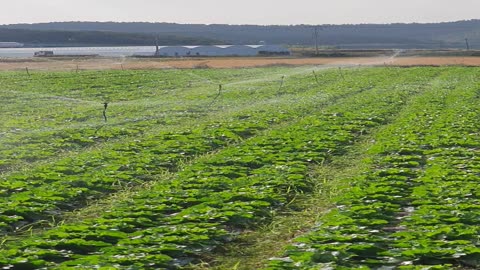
(240, 11)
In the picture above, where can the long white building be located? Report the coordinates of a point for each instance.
(148, 51)
(10, 45)
(221, 50)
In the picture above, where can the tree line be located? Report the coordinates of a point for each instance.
(414, 35)
(96, 38)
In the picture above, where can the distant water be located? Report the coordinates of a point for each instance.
(102, 51)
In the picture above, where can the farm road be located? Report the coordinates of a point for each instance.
(224, 62)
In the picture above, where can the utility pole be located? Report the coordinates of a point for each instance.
(315, 33)
(156, 45)
(468, 45)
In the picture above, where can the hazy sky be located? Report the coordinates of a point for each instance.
(240, 11)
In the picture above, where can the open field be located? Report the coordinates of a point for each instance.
(249, 168)
(226, 62)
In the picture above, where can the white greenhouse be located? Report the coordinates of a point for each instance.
(173, 51)
(219, 50)
(10, 45)
(240, 50)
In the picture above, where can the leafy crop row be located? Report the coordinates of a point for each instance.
(43, 117)
(176, 221)
(418, 207)
(67, 184)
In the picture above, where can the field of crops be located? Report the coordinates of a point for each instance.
(182, 163)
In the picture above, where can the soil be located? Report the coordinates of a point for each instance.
(223, 62)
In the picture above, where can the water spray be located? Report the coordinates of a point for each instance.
(217, 96)
(315, 75)
(341, 73)
(281, 83)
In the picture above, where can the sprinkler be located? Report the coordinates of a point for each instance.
(105, 106)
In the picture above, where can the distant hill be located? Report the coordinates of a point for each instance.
(41, 38)
(430, 35)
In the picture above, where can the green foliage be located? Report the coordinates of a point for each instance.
(233, 165)
(416, 208)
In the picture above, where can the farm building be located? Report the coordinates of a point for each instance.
(43, 53)
(173, 51)
(241, 50)
(221, 50)
(206, 51)
(10, 45)
(272, 50)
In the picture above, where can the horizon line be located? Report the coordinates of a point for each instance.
(248, 24)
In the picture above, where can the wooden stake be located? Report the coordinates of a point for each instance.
(26, 68)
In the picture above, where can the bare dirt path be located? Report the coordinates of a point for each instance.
(223, 62)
